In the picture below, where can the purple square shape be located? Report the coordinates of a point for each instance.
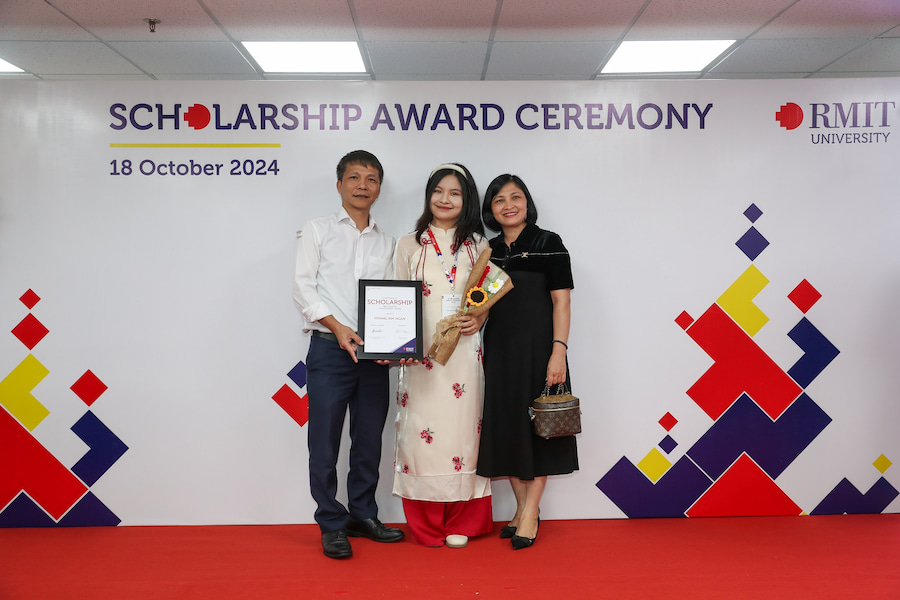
(668, 444)
(753, 213)
(752, 243)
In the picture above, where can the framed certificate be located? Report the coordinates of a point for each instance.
(390, 319)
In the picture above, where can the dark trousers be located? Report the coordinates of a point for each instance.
(335, 383)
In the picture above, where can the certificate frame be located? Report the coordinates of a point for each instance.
(390, 319)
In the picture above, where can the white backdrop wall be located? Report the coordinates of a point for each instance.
(173, 290)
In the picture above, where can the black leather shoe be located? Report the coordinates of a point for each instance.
(507, 532)
(374, 530)
(519, 542)
(336, 545)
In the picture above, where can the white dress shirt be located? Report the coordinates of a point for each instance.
(332, 256)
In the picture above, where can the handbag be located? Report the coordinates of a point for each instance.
(556, 415)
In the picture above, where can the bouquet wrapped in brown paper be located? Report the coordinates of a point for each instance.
(487, 283)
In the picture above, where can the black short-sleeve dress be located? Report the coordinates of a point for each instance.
(518, 340)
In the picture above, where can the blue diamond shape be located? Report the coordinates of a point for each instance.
(753, 213)
(668, 444)
(298, 374)
(752, 243)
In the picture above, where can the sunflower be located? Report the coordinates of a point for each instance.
(477, 296)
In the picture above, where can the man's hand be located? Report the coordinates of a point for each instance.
(347, 339)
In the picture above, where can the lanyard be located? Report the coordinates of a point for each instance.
(449, 274)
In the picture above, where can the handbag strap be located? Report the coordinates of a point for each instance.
(560, 388)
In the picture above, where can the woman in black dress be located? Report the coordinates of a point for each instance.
(525, 346)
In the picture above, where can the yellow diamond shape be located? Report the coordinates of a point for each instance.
(654, 465)
(882, 464)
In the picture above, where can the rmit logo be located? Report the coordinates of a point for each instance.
(836, 115)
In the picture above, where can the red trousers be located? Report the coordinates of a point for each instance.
(431, 522)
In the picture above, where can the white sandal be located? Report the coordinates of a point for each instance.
(457, 541)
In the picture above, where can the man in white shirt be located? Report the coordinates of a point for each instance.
(333, 253)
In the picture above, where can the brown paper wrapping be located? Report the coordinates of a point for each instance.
(446, 335)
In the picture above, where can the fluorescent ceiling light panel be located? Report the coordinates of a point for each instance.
(665, 57)
(307, 57)
(5, 67)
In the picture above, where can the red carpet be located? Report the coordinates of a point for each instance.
(758, 558)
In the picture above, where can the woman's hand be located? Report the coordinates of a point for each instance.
(469, 325)
(394, 363)
(556, 366)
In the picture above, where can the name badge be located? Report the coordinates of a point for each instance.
(450, 304)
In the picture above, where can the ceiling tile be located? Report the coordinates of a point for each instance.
(30, 20)
(574, 21)
(546, 60)
(185, 57)
(704, 19)
(285, 20)
(425, 20)
(784, 56)
(124, 20)
(835, 18)
(428, 60)
(66, 58)
(881, 54)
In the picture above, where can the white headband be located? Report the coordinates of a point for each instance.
(452, 167)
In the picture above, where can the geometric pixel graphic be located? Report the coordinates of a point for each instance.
(668, 444)
(737, 301)
(26, 466)
(16, 396)
(30, 331)
(296, 406)
(36, 489)
(804, 296)
(882, 464)
(752, 243)
(668, 421)
(638, 497)
(29, 299)
(88, 387)
(654, 465)
(744, 490)
(105, 448)
(846, 499)
(746, 429)
(818, 353)
(762, 417)
(753, 213)
(740, 366)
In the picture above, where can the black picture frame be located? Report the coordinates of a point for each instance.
(383, 306)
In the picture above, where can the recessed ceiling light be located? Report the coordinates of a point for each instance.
(307, 57)
(5, 67)
(665, 57)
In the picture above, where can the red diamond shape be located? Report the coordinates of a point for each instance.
(668, 422)
(804, 296)
(295, 406)
(29, 299)
(684, 320)
(30, 331)
(88, 387)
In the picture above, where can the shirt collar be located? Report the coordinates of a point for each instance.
(526, 237)
(342, 215)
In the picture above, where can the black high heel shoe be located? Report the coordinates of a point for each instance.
(519, 542)
(507, 532)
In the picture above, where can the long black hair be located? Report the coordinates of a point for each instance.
(469, 222)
